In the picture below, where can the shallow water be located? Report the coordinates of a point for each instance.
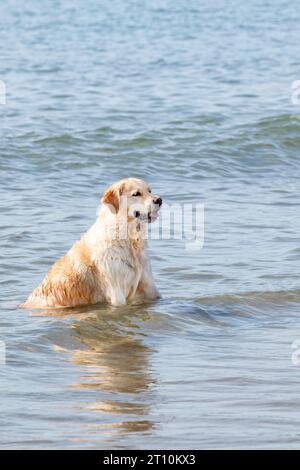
(195, 98)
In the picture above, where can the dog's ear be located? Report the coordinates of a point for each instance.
(112, 198)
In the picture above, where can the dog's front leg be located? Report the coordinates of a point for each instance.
(147, 288)
(117, 298)
(119, 278)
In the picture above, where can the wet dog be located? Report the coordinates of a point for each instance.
(109, 263)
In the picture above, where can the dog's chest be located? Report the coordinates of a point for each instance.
(131, 271)
(121, 265)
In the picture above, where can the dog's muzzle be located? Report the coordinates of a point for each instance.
(151, 215)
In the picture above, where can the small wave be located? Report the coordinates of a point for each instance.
(282, 130)
(291, 121)
(58, 139)
(253, 297)
(143, 140)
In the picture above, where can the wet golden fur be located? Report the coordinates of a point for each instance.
(109, 264)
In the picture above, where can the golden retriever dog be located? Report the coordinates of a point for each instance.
(109, 263)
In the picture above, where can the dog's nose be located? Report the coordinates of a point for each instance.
(158, 201)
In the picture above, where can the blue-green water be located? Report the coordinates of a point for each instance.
(196, 98)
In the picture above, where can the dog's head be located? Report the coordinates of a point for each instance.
(133, 197)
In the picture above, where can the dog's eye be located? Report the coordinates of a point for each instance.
(137, 193)
(149, 190)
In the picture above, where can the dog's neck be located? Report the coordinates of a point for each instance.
(110, 227)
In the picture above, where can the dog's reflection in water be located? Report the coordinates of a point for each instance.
(114, 361)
